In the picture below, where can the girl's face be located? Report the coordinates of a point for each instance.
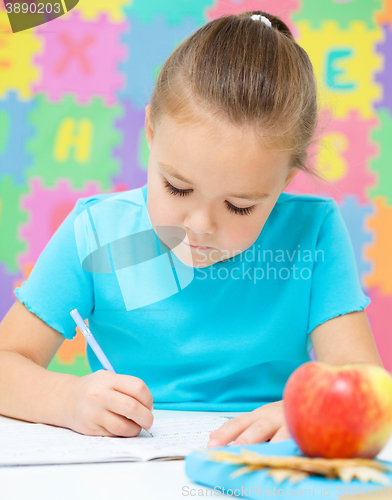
(219, 188)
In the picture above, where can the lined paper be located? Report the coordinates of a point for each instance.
(41, 444)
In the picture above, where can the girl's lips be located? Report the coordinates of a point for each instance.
(193, 246)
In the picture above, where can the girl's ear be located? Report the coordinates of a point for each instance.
(290, 177)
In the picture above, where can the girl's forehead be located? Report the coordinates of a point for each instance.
(171, 135)
(220, 133)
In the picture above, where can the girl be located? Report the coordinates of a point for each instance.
(220, 319)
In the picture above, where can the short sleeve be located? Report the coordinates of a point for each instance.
(336, 289)
(57, 284)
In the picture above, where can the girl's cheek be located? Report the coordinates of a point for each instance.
(167, 213)
(236, 239)
(245, 233)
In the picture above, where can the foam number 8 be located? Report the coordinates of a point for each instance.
(16, 8)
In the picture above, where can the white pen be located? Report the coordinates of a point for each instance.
(94, 344)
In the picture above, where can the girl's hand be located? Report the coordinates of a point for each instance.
(263, 424)
(100, 403)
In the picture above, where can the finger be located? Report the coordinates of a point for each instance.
(97, 431)
(127, 406)
(258, 432)
(230, 430)
(119, 425)
(134, 387)
(105, 432)
(282, 434)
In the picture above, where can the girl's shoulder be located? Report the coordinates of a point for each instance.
(89, 201)
(137, 195)
(110, 216)
(305, 211)
(307, 206)
(304, 198)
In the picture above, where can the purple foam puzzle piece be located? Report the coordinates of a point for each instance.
(7, 297)
(131, 125)
(385, 76)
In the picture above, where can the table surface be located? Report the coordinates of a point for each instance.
(111, 481)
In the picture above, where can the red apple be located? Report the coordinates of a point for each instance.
(339, 411)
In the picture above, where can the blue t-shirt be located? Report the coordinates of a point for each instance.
(225, 337)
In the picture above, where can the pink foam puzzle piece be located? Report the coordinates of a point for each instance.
(351, 147)
(81, 58)
(380, 318)
(47, 208)
(282, 8)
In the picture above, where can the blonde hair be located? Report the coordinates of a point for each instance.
(240, 71)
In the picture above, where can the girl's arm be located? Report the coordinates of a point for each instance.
(28, 391)
(346, 339)
(98, 404)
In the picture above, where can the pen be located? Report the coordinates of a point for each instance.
(93, 344)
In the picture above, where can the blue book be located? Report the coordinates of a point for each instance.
(204, 471)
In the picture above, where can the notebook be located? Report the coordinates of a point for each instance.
(257, 484)
(40, 444)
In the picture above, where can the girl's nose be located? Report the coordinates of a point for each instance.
(200, 221)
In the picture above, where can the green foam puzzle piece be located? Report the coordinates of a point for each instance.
(382, 164)
(341, 12)
(172, 10)
(79, 366)
(11, 217)
(74, 141)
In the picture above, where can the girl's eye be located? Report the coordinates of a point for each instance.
(174, 190)
(241, 211)
(232, 208)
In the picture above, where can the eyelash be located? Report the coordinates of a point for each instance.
(184, 192)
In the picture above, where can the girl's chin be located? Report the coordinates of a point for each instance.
(191, 259)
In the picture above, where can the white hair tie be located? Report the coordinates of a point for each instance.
(263, 19)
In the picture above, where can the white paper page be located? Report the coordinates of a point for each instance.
(29, 443)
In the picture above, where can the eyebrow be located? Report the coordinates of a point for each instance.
(251, 196)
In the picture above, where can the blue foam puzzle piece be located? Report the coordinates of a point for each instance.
(146, 55)
(354, 215)
(15, 130)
